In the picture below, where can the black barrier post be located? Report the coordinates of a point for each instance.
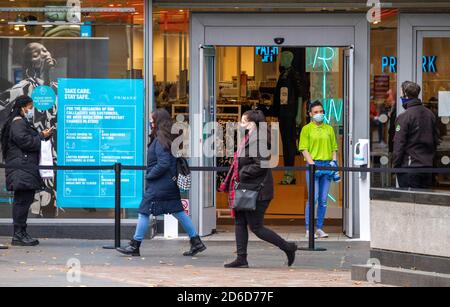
(311, 204)
(117, 206)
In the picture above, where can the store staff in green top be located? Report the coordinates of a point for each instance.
(318, 145)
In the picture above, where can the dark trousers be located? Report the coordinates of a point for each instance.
(288, 137)
(255, 221)
(415, 181)
(21, 207)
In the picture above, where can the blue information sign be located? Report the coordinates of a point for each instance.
(100, 122)
(44, 98)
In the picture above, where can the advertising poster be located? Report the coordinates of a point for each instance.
(100, 122)
(33, 66)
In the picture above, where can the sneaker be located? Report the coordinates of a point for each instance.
(307, 235)
(321, 234)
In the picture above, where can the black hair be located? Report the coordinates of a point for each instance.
(314, 104)
(163, 128)
(257, 116)
(20, 102)
(411, 89)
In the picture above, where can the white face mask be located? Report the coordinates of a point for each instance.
(319, 118)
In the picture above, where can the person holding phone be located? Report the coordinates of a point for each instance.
(21, 146)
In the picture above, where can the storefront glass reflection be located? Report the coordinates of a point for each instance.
(436, 96)
(38, 48)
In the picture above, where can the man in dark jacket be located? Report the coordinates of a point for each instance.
(416, 139)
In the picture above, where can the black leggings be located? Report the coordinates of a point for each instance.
(255, 221)
(21, 207)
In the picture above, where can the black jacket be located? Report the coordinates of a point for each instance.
(391, 132)
(162, 195)
(291, 80)
(416, 137)
(251, 174)
(24, 148)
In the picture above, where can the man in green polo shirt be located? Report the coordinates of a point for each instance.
(318, 145)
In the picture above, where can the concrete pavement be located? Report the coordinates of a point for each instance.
(161, 264)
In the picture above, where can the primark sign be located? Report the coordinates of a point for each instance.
(389, 64)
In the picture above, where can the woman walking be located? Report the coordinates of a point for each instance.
(162, 195)
(21, 146)
(248, 171)
(318, 145)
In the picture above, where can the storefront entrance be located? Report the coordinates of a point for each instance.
(235, 68)
(429, 36)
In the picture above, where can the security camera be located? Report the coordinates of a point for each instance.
(279, 40)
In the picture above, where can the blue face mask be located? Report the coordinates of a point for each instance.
(319, 118)
(29, 114)
(405, 100)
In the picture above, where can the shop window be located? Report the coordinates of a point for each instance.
(436, 96)
(40, 48)
(383, 96)
(171, 61)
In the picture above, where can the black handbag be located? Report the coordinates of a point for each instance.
(245, 196)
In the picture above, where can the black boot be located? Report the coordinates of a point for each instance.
(197, 246)
(22, 238)
(290, 253)
(3, 247)
(240, 262)
(133, 249)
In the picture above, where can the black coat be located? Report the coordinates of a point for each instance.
(251, 174)
(162, 195)
(416, 137)
(24, 148)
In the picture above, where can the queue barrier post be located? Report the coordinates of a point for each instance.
(312, 219)
(117, 207)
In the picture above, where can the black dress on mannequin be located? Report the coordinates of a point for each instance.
(286, 104)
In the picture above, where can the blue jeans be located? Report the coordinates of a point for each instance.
(322, 188)
(144, 222)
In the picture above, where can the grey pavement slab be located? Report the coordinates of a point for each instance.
(162, 264)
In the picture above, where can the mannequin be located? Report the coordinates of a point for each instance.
(288, 108)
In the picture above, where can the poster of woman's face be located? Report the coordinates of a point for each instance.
(27, 64)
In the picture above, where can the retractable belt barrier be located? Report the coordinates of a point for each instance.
(311, 169)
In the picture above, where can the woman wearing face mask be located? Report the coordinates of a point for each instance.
(248, 170)
(21, 145)
(318, 145)
(162, 195)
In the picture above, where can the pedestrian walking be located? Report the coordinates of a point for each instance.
(248, 171)
(319, 147)
(162, 195)
(21, 145)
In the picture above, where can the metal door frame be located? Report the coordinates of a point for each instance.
(306, 30)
